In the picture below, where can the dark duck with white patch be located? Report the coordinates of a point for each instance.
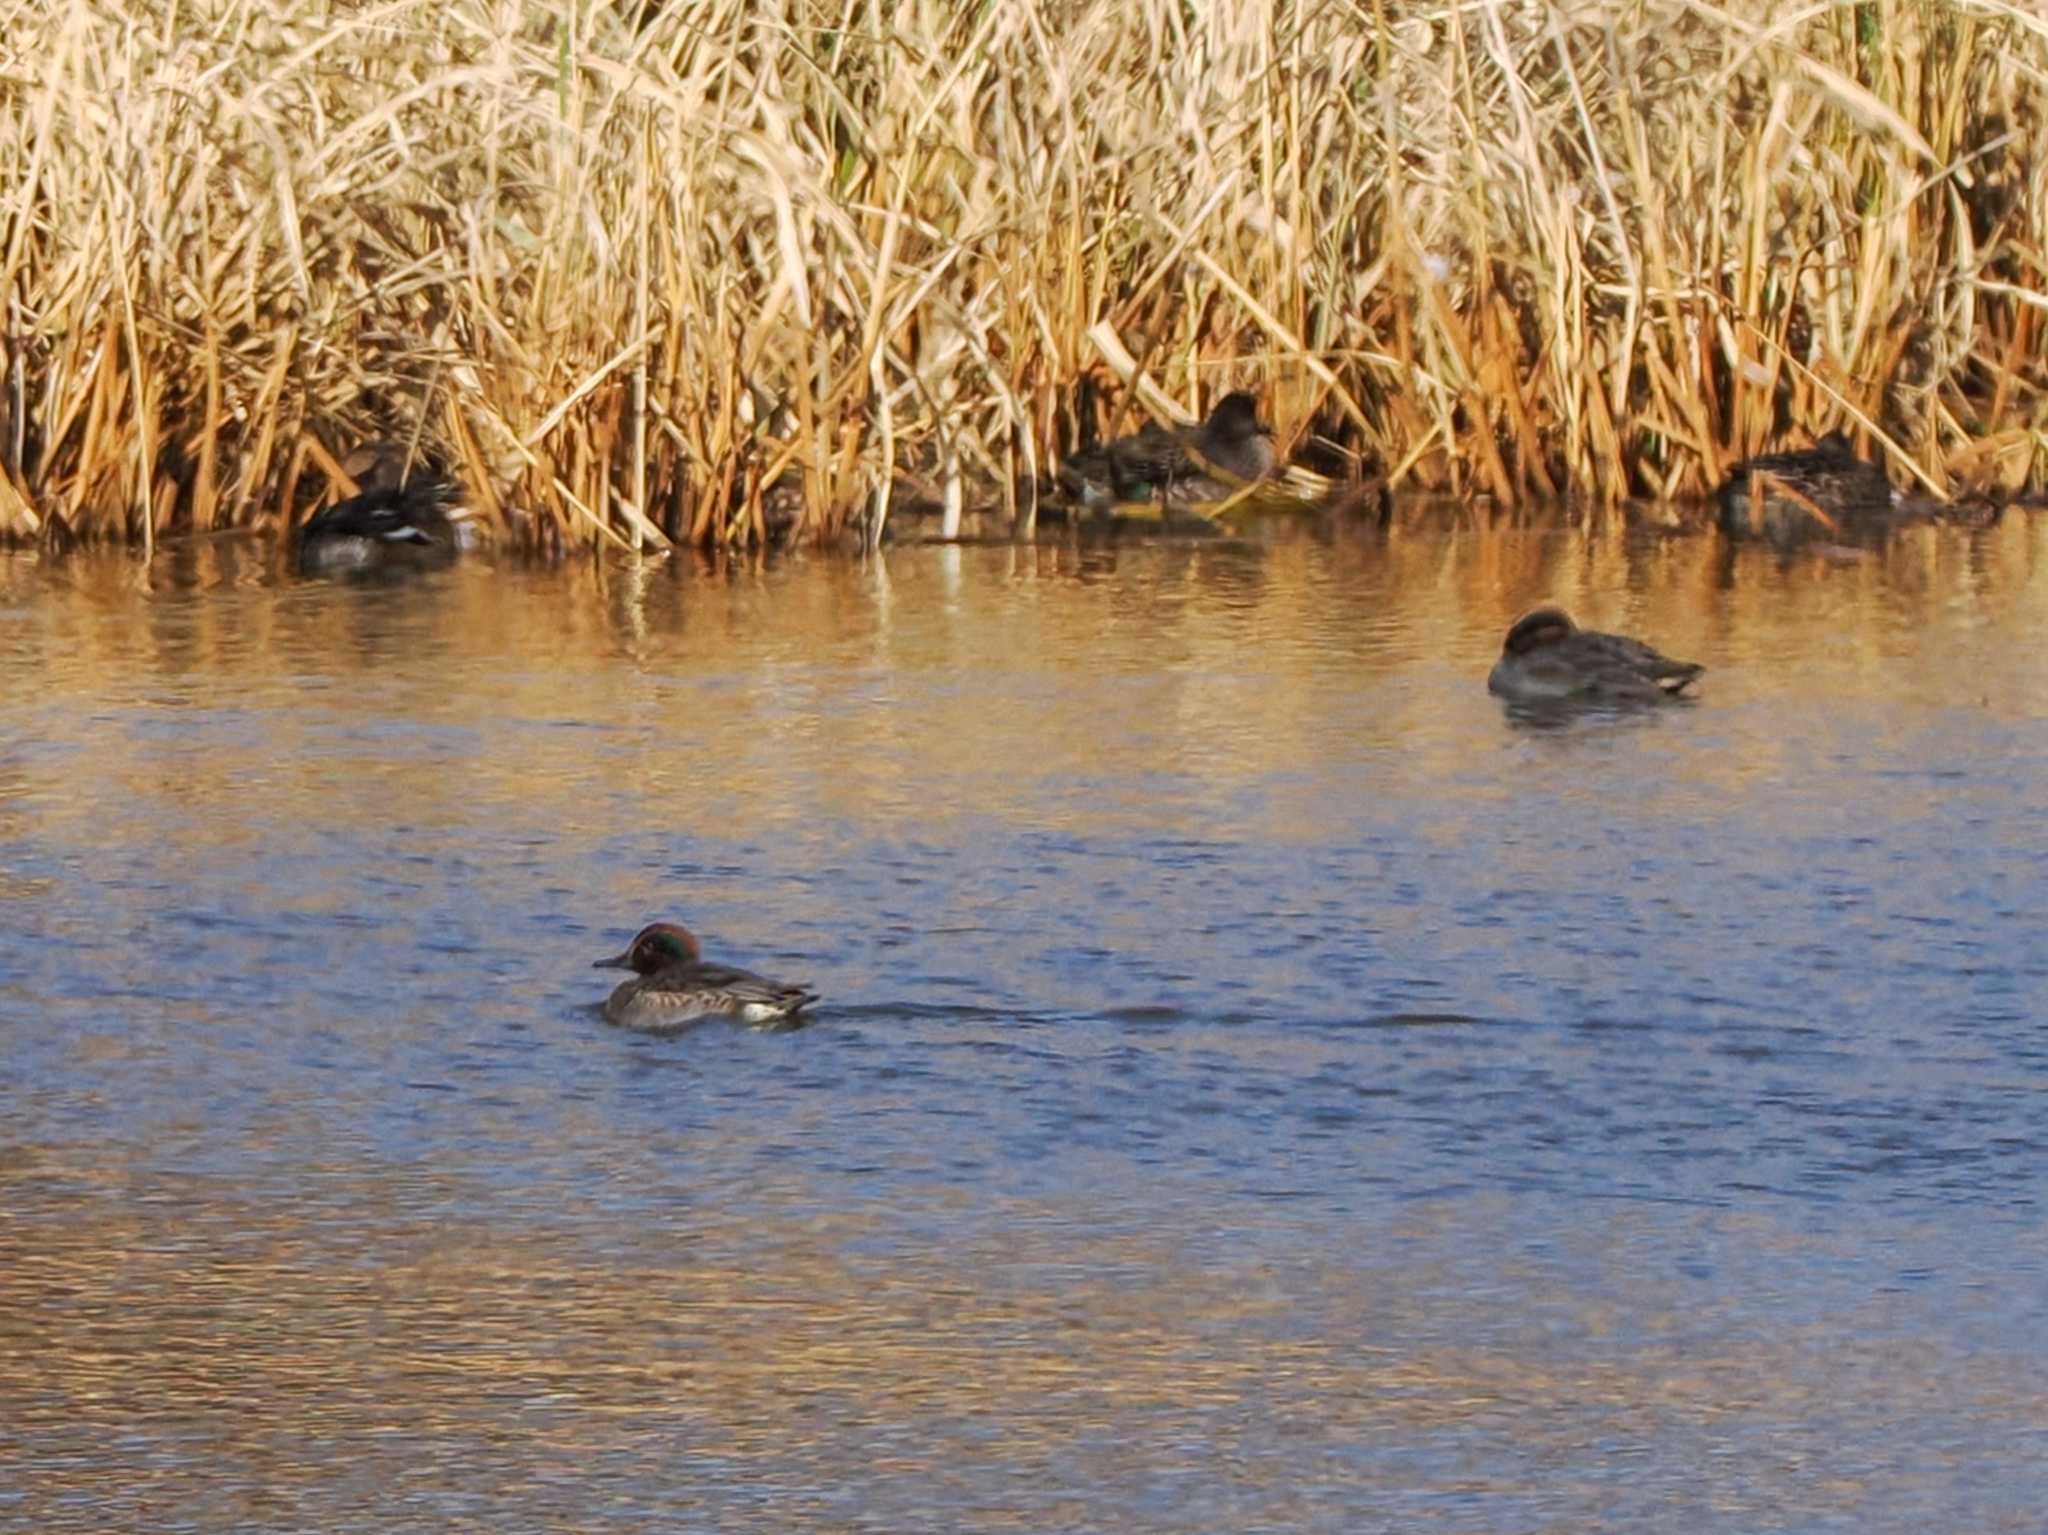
(400, 520)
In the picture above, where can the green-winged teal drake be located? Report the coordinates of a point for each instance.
(674, 988)
(1176, 466)
(397, 521)
(1548, 659)
(1822, 490)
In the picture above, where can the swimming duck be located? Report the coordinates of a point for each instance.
(1179, 466)
(397, 520)
(1822, 489)
(674, 988)
(1548, 659)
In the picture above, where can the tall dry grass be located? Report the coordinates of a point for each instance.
(627, 268)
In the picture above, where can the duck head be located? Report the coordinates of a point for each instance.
(1236, 418)
(655, 947)
(1535, 629)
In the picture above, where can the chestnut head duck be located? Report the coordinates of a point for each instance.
(673, 988)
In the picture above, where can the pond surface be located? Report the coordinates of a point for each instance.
(1261, 1086)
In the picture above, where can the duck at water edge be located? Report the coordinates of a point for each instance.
(1179, 467)
(1809, 492)
(399, 521)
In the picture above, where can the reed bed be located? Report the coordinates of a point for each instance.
(724, 271)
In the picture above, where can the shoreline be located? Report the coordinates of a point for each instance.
(1691, 517)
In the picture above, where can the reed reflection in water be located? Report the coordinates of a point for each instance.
(1261, 1085)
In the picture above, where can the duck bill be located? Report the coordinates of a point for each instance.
(616, 962)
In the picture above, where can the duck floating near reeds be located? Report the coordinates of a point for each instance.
(1808, 492)
(1179, 467)
(674, 988)
(400, 520)
(1548, 659)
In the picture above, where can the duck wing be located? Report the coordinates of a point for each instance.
(744, 987)
(1616, 666)
(670, 1000)
(1149, 457)
(1131, 468)
(414, 514)
(1828, 480)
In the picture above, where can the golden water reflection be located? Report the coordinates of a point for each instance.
(1112, 1194)
(1010, 1379)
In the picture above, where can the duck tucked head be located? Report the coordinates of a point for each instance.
(1532, 631)
(1236, 418)
(655, 948)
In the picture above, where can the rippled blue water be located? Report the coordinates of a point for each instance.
(1260, 1086)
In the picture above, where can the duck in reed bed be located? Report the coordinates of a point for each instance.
(400, 520)
(1548, 659)
(1180, 467)
(674, 988)
(1824, 489)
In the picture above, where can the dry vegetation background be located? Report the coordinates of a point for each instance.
(627, 267)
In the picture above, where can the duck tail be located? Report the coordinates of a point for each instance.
(1681, 676)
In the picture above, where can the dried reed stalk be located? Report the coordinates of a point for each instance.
(656, 271)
